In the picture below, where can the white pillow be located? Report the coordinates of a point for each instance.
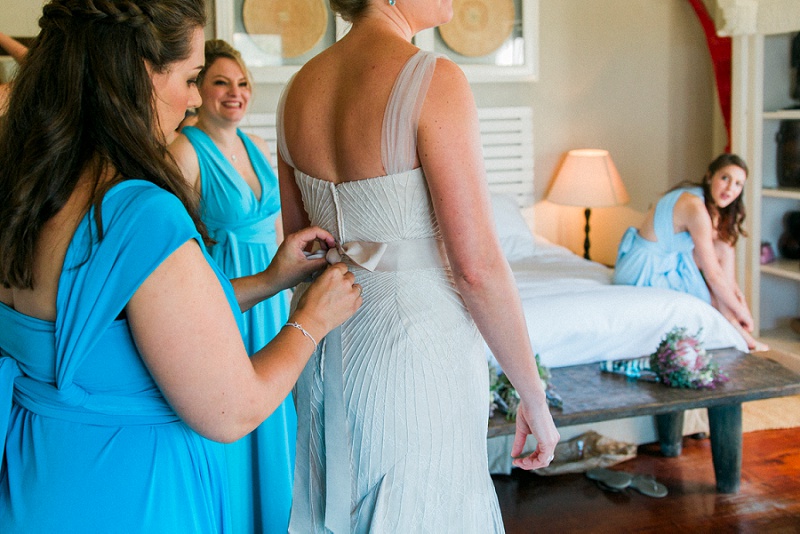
(516, 238)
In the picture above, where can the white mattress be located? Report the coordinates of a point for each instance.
(576, 316)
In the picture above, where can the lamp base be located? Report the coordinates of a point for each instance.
(588, 213)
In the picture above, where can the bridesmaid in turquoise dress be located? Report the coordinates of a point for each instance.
(240, 204)
(667, 262)
(122, 366)
(686, 243)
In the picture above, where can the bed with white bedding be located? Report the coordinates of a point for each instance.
(575, 315)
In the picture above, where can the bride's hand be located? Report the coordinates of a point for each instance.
(534, 418)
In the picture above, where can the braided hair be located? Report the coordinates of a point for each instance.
(83, 104)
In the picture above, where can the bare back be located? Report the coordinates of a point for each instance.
(51, 248)
(335, 108)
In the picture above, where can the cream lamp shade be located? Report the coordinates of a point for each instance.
(588, 178)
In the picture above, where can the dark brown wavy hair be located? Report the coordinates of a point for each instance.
(83, 102)
(730, 224)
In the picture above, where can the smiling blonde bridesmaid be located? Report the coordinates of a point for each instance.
(240, 205)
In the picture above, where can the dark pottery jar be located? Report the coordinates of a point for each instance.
(788, 162)
(789, 241)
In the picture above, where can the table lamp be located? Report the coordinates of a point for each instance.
(588, 178)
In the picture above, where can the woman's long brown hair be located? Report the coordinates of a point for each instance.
(730, 223)
(83, 102)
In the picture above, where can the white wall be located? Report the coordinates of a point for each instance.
(19, 18)
(631, 76)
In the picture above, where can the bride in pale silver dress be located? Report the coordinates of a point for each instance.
(379, 144)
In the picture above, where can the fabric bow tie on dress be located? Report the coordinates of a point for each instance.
(365, 254)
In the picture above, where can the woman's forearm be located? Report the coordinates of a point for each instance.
(14, 48)
(250, 290)
(725, 293)
(493, 302)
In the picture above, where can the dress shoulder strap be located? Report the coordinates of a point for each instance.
(663, 217)
(283, 150)
(401, 118)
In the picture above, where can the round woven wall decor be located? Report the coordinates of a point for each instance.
(478, 27)
(300, 23)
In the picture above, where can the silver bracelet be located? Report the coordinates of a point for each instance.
(304, 331)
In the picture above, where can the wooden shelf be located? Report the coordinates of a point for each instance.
(783, 114)
(761, 101)
(783, 268)
(792, 193)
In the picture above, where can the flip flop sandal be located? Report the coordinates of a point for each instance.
(647, 485)
(613, 480)
(607, 488)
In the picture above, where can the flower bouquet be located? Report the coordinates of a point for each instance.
(504, 397)
(680, 361)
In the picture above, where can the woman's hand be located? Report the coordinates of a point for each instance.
(329, 301)
(746, 320)
(291, 264)
(534, 419)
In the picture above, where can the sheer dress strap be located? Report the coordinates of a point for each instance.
(401, 118)
(283, 150)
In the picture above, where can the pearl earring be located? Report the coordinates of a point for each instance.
(391, 2)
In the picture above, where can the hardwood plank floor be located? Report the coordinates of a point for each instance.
(768, 501)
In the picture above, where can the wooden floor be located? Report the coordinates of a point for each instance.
(768, 502)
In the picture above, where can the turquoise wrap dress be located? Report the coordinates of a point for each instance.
(260, 465)
(89, 442)
(667, 263)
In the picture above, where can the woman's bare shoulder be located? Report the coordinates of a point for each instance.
(6, 295)
(261, 144)
(690, 213)
(691, 204)
(449, 98)
(185, 156)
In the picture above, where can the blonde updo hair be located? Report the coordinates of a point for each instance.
(349, 9)
(218, 48)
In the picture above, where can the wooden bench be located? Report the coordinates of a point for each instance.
(591, 396)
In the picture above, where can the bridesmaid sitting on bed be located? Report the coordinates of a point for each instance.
(686, 243)
(240, 205)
